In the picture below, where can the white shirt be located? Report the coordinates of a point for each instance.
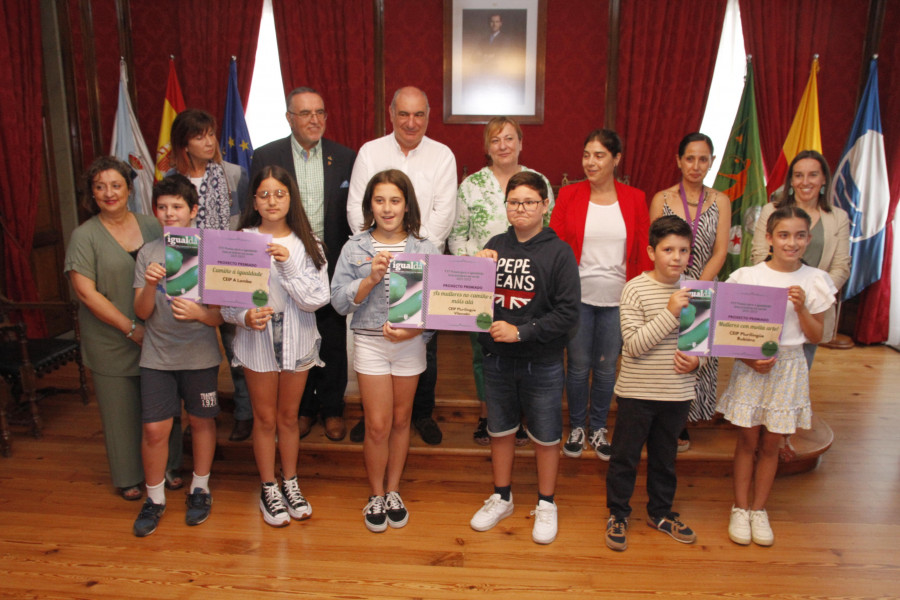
(602, 267)
(816, 284)
(305, 290)
(430, 166)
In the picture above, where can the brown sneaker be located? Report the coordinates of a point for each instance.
(671, 525)
(335, 429)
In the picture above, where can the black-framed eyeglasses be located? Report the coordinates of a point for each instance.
(528, 205)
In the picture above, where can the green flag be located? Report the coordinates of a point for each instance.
(741, 177)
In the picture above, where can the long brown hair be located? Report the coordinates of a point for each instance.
(411, 219)
(296, 217)
(787, 194)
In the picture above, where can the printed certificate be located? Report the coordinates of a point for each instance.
(225, 268)
(732, 319)
(436, 291)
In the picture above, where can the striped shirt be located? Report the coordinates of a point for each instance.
(394, 249)
(310, 176)
(649, 342)
(305, 290)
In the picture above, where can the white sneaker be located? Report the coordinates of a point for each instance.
(575, 444)
(495, 509)
(296, 504)
(545, 527)
(761, 531)
(739, 527)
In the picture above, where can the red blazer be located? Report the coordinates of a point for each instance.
(570, 213)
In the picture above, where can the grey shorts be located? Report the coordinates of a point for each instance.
(162, 392)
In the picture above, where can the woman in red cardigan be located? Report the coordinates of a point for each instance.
(606, 223)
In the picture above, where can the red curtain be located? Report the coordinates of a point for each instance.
(782, 37)
(210, 33)
(21, 120)
(328, 45)
(873, 317)
(667, 53)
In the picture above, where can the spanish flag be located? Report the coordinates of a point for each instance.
(804, 133)
(172, 105)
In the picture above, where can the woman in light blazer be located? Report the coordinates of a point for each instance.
(808, 185)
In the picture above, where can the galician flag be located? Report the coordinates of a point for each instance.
(741, 178)
(861, 188)
(172, 105)
(804, 133)
(235, 140)
(128, 145)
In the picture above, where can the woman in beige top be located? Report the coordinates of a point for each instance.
(808, 185)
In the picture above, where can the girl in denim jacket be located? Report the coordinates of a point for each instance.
(387, 360)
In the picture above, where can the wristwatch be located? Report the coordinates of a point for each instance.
(518, 337)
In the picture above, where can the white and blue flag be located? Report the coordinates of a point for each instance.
(128, 145)
(861, 188)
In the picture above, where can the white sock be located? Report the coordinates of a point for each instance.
(200, 481)
(157, 493)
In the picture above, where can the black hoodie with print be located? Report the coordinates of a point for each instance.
(538, 289)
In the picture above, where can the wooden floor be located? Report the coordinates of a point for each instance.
(64, 534)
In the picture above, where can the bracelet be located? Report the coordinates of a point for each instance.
(518, 337)
(133, 327)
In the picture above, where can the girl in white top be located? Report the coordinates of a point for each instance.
(278, 344)
(768, 398)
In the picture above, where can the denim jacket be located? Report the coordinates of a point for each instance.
(354, 265)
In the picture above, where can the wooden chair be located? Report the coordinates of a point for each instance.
(24, 360)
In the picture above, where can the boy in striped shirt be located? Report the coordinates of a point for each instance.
(654, 388)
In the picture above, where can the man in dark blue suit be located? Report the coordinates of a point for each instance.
(322, 169)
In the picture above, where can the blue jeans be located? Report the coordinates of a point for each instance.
(595, 347)
(516, 386)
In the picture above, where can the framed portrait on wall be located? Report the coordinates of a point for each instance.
(494, 54)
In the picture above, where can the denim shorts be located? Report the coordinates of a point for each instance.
(513, 387)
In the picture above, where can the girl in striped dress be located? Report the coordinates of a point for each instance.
(278, 343)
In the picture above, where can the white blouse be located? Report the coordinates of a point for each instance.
(306, 289)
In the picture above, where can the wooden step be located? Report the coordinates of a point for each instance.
(457, 409)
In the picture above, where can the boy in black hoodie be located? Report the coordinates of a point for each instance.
(536, 305)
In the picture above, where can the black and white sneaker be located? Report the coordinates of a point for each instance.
(272, 506)
(575, 443)
(296, 504)
(374, 514)
(600, 445)
(397, 515)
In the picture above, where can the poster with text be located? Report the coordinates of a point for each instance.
(435, 291)
(732, 319)
(225, 268)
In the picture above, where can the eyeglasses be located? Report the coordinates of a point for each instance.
(309, 114)
(528, 205)
(266, 194)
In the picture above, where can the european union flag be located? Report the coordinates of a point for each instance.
(235, 140)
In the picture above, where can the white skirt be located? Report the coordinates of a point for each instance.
(778, 400)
